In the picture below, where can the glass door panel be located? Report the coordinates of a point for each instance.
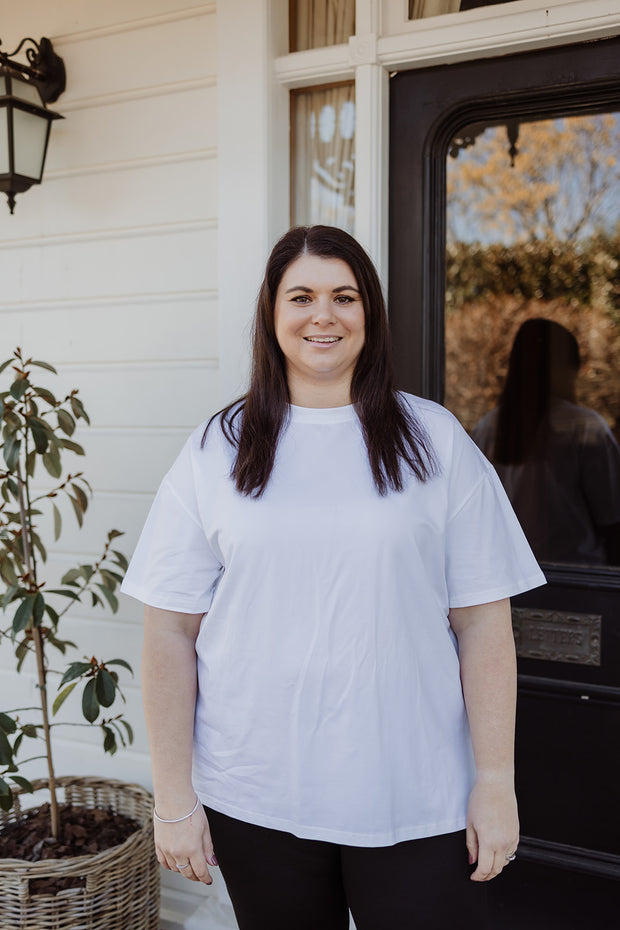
(532, 322)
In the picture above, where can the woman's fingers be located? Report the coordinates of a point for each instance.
(186, 847)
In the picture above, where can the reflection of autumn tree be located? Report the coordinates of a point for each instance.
(557, 189)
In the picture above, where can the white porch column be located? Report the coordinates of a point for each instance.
(253, 171)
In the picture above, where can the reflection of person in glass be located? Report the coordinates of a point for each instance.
(558, 461)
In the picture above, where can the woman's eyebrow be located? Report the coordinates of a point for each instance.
(308, 290)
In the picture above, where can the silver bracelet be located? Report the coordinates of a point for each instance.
(179, 819)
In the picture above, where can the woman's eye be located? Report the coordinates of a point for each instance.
(301, 299)
(344, 299)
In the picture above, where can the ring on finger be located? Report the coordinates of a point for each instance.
(181, 867)
(511, 857)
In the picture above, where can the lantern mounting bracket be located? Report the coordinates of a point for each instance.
(45, 68)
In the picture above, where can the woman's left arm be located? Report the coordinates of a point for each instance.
(489, 679)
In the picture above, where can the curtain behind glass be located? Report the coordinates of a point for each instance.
(324, 157)
(316, 23)
(419, 9)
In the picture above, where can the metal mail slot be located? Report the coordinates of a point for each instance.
(557, 636)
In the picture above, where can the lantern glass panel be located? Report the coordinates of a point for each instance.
(3, 87)
(23, 90)
(30, 137)
(4, 140)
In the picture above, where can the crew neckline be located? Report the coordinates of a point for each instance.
(322, 414)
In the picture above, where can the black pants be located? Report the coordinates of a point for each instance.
(277, 881)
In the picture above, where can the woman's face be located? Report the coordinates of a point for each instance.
(319, 324)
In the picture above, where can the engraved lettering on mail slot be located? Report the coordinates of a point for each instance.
(557, 636)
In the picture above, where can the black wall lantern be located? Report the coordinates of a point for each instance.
(25, 121)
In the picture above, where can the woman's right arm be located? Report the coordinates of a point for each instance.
(169, 685)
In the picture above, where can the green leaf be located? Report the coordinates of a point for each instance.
(129, 731)
(65, 422)
(45, 395)
(21, 652)
(120, 559)
(77, 510)
(41, 364)
(121, 662)
(23, 614)
(9, 593)
(23, 783)
(7, 572)
(57, 522)
(72, 446)
(5, 788)
(6, 802)
(12, 446)
(38, 544)
(71, 576)
(96, 600)
(51, 460)
(6, 364)
(78, 409)
(110, 598)
(6, 753)
(80, 497)
(75, 670)
(31, 461)
(114, 533)
(90, 703)
(52, 614)
(65, 592)
(7, 724)
(40, 433)
(109, 741)
(105, 688)
(19, 388)
(108, 578)
(38, 609)
(62, 697)
(86, 572)
(30, 730)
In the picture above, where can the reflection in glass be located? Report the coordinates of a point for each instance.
(324, 156)
(557, 460)
(533, 321)
(420, 9)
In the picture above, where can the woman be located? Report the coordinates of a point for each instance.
(557, 460)
(339, 557)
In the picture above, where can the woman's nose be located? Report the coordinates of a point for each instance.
(322, 311)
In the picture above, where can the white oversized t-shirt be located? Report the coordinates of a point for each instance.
(330, 703)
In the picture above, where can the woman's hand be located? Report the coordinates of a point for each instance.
(186, 847)
(492, 826)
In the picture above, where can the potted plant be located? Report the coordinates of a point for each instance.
(66, 871)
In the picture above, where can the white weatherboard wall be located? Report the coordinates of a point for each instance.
(109, 271)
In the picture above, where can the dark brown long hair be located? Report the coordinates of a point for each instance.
(544, 361)
(394, 437)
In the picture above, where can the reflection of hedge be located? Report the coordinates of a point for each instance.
(584, 274)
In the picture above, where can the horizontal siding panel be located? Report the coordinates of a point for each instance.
(165, 124)
(162, 53)
(136, 196)
(125, 513)
(72, 18)
(166, 260)
(176, 328)
(145, 394)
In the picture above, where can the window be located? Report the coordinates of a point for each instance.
(316, 23)
(323, 156)
(420, 9)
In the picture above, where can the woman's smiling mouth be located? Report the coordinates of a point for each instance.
(323, 339)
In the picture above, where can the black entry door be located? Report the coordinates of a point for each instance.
(505, 305)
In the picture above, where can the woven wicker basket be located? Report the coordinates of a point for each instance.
(119, 887)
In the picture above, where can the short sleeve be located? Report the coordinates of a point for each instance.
(487, 555)
(173, 566)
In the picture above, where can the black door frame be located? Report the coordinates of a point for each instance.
(428, 108)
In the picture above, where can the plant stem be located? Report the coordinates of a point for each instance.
(40, 655)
